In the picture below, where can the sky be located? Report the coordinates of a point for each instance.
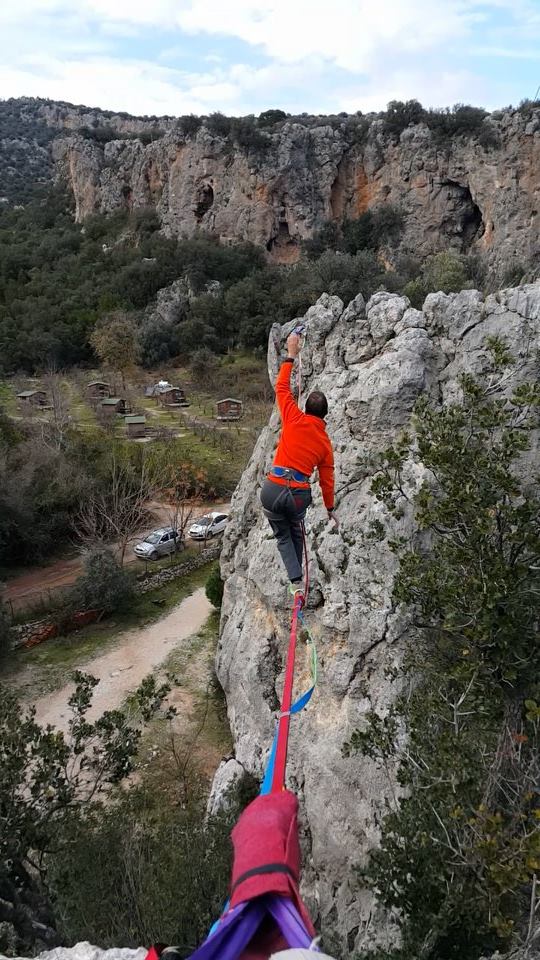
(243, 56)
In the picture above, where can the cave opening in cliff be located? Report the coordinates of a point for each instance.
(205, 199)
(282, 247)
(470, 222)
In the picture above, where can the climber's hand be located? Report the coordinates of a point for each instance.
(293, 345)
(333, 519)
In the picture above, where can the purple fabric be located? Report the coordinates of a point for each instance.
(289, 921)
(238, 927)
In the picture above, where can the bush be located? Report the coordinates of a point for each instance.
(247, 135)
(104, 585)
(400, 115)
(214, 587)
(189, 124)
(141, 871)
(446, 272)
(218, 124)
(270, 117)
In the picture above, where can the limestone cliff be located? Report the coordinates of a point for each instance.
(300, 175)
(275, 185)
(373, 361)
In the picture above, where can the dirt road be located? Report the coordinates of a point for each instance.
(121, 670)
(37, 581)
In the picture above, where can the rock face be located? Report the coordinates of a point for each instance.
(461, 195)
(85, 951)
(373, 362)
(277, 185)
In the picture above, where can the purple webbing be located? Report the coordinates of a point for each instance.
(238, 927)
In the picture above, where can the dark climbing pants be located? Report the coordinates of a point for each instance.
(285, 509)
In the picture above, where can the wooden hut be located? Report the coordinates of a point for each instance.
(98, 390)
(113, 405)
(229, 409)
(173, 397)
(35, 398)
(135, 427)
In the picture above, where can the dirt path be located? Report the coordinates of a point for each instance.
(137, 653)
(62, 573)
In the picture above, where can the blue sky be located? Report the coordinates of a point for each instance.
(244, 56)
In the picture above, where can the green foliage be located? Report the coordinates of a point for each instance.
(245, 132)
(214, 587)
(446, 272)
(48, 778)
(104, 585)
(461, 845)
(25, 158)
(189, 124)
(142, 871)
(115, 342)
(400, 115)
(40, 488)
(268, 118)
(368, 232)
(218, 124)
(462, 120)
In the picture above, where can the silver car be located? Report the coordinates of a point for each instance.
(158, 544)
(208, 526)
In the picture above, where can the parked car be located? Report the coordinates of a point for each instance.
(158, 544)
(208, 526)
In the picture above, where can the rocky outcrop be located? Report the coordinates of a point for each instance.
(85, 951)
(476, 192)
(460, 195)
(373, 361)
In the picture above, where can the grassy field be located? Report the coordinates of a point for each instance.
(221, 450)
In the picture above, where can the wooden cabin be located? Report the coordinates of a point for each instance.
(135, 427)
(98, 390)
(113, 405)
(173, 397)
(35, 398)
(229, 409)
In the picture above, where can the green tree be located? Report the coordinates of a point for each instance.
(104, 584)
(214, 587)
(460, 849)
(115, 343)
(446, 272)
(46, 778)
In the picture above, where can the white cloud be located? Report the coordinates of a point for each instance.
(348, 32)
(347, 55)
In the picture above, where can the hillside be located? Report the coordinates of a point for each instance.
(460, 179)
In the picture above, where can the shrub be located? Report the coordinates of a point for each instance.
(219, 124)
(246, 134)
(189, 124)
(104, 585)
(400, 115)
(270, 117)
(446, 272)
(214, 587)
(141, 871)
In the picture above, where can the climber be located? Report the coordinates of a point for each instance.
(303, 445)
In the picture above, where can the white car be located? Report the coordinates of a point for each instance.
(208, 526)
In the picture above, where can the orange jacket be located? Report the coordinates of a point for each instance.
(304, 443)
